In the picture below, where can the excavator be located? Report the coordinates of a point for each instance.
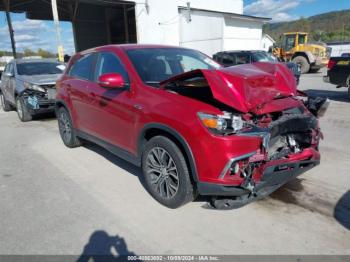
(295, 48)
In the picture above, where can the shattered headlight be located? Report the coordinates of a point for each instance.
(222, 124)
(34, 87)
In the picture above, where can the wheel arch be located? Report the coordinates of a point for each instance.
(156, 129)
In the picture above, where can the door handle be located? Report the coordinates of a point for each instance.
(138, 107)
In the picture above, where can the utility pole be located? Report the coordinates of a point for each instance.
(9, 23)
(58, 30)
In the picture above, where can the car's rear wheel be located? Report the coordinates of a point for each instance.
(22, 110)
(66, 129)
(4, 103)
(165, 173)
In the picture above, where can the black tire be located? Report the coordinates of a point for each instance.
(5, 105)
(22, 111)
(349, 92)
(303, 63)
(168, 174)
(314, 70)
(66, 129)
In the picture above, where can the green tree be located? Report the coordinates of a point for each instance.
(28, 52)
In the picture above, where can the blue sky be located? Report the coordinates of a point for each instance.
(284, 10)
(36, 34)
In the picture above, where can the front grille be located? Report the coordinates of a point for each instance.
(290, 134)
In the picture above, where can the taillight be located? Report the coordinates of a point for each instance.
(331, 63)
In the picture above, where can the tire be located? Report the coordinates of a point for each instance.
(163, 161)
(303, 63)
(349, 92)
(22, 110)
(314, 70)
(66, 129)
(5, 105)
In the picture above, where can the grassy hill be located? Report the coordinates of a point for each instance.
(327, 27)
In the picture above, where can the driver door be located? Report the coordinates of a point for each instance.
(111, 109)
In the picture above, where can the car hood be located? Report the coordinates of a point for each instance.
(246, 87)
(40, 79)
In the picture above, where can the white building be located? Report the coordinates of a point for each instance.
(207, 25)
(267, 42)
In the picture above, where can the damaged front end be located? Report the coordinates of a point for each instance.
(258, 103)
(39, 98)
(289, 147)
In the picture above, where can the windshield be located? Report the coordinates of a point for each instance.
(155, 65)
(40, 68)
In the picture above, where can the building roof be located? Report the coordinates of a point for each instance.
(233, 15)
(269, 37)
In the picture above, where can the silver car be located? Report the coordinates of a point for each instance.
(28, 85)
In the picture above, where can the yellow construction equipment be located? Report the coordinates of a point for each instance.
(295, 47)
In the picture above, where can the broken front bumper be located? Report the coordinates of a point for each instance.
(274, 175)
(38, 102)
(265, 166)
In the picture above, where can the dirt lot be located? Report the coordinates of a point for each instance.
(56, 200)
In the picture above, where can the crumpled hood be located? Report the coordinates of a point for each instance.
(246, 87)
(40, 79)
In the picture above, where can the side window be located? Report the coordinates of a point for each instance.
(227, 59)
(242, 59)
(8, 68)
(12, 69)
(289, 42)
(83, 67)
(110, 63)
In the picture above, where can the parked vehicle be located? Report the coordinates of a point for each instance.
(231, 58)
(29, 86)
(338, 72)
(235, 134)
(311, 57)
(1, 70)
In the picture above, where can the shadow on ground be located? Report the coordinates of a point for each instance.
(340, 96)
(103, 247)
(44, 117)
(132, 169)
(286, 193)
(342, 210)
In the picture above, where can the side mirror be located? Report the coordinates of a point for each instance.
(111, 80)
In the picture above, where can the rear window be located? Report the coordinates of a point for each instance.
(40, 68)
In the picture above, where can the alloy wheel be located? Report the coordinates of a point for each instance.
(162, 172)
(65, 127)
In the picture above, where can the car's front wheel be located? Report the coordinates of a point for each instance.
(22, 110)
(165, 173)
(65, 126)
(5, 105)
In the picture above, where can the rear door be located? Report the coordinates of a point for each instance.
(79, 77)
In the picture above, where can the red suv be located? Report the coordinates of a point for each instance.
(235, 134)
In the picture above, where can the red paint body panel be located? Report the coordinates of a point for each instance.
(118, 116)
